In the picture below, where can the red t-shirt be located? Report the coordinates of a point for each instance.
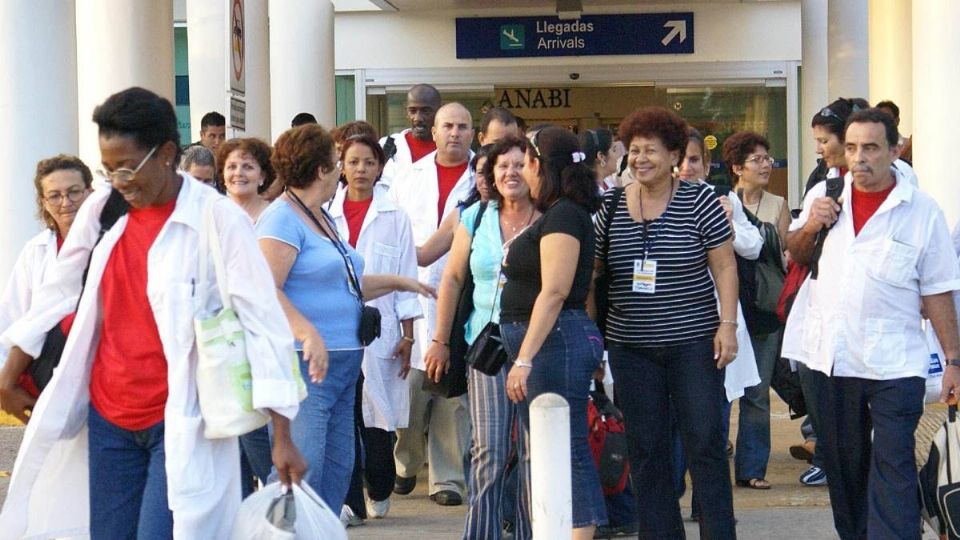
(128, 383)
(419, 148)
(865, 205)
(355, 212)
(447, 178)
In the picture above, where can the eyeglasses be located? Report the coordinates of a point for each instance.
(760, 160)
(123, 174)
(55, 198)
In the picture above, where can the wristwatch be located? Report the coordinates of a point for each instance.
(954, 362)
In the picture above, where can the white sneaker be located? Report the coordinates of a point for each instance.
(377, 509)
(348, 518)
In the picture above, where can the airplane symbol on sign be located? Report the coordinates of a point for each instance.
(509, 34)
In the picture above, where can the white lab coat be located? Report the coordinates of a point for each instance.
(31, 267)
(386, 245)
(397, 165)
(48, 494)
(417, 193)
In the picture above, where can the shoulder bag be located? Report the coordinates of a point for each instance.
(453, 382)
(601, 288)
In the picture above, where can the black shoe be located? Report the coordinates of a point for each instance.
(403, 486)
(447, 497)
(606, 531)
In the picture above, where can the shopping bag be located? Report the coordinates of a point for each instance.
(935, 367)
(299, 514)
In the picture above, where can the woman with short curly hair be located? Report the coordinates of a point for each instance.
(245, 172)
(661, 244)
(320, 282)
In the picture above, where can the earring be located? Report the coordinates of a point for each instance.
(168, 164)
(603, 163)
(676, 170)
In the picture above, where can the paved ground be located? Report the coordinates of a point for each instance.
(789, 510)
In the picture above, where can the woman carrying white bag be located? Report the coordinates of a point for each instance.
(115, 447)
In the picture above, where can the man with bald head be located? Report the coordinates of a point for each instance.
(411, 145)
(430, 189)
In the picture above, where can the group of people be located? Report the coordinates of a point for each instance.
(548, 234)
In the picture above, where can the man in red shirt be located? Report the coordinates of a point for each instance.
(411, 145)
(430, 190)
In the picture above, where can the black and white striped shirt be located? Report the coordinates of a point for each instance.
(683, 308)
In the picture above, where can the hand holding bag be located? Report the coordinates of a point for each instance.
(224, 381)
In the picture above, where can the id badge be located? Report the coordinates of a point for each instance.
(644, 276)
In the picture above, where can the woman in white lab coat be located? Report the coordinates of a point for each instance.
(115, 446)
(380, 231)
(62, 182)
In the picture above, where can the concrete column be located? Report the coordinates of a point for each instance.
(38, 104)
(258, 69)
(936, 46)
(813, 78)
(208, 33)
(848, 46)
(301, 62)
(207, 42)
(891, 58)
(120, 44)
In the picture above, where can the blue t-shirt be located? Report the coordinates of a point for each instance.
(485, 259)
(318, 284)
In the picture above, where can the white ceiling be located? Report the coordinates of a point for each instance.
(424, 5)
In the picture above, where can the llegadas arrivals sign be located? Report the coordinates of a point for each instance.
(591, 35)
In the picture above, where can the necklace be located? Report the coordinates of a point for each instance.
(514, 228)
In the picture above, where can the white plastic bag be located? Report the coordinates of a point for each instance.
(311, 518)
(935, 368)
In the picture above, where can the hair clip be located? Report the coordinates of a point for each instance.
(578, 157)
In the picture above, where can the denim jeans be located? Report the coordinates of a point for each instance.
(753, 436)
(565, 365)
(684, 378)
(812, 383)
(866, 431)
(324, 429)
(128, 482)
(256, 454)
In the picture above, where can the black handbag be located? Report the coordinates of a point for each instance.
(453, 383)
(41, 368)
(487, 354)
(369, 329)
(601, 287)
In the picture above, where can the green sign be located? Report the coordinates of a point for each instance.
(511, 37)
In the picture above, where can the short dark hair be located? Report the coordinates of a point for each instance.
(299, 152)
(887, 104)
(739, 146)
(501, 114)
(593, 141)
(482, 152)
(357, 127)
(212, 118)
(143, 116)
(881, 117)
(303, 118)
(656, 122)
(258, 149)
(833, 117)
(560, 175)
(366, 140)
(46, 167)
(494, 151)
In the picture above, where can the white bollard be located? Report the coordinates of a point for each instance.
(551, 498)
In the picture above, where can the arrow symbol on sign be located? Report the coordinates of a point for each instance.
(678, 28)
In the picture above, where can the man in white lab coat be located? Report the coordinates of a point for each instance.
(428, 191)
(405, 148)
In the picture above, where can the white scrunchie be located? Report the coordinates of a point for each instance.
(578, 157)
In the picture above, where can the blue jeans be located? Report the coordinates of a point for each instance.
(812, 383)
(255, 449)
(565, 365)
(324, 428)
(753, 436)
(128, 482)
(686, 378)
(865, 431)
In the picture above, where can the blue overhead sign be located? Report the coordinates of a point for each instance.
(591, 35)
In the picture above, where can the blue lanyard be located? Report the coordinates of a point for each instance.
(646, 239)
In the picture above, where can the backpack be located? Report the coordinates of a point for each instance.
(939, 480)
(608, 443)
(797, 273)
